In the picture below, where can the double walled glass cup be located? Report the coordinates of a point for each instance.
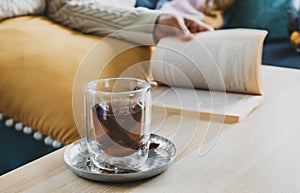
(118, 117)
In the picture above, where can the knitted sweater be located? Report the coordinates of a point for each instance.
(13, 8)
(96, 17)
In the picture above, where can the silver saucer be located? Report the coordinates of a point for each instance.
(161, 156)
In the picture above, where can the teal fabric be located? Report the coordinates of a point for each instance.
(17, 148)
(271, 15)
(150, 4)
(280, 53)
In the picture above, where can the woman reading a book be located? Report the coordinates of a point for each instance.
(120, 19)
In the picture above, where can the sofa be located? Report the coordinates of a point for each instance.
(39, 62)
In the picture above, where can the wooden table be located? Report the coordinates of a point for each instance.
(259, 154)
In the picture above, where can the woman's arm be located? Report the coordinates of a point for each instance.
(138, 25)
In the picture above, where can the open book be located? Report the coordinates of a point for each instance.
(217, 73)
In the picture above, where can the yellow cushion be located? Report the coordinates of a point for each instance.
(38, 61)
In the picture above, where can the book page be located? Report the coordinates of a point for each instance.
(231, 107)
(216, 60)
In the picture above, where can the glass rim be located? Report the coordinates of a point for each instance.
(91, 85)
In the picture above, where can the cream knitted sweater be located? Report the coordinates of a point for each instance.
(96, 17)
(13, 8)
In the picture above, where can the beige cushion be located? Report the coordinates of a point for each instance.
(38, 61)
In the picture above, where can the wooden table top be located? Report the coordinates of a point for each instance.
(259, 154)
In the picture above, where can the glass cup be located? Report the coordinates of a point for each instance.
(118, 117)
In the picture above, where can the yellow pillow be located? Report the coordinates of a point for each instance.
(38, 61)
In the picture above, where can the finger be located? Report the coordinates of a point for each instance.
(194, 27)
(205, 27)
(184, 33)
(197, 26)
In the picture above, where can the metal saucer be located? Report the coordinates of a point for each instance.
(161, 156)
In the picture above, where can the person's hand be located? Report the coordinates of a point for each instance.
(172, 25)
